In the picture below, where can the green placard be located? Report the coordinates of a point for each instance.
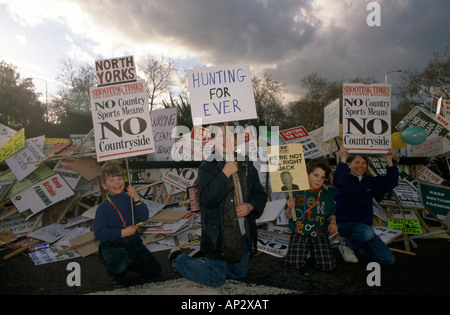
(407, 226)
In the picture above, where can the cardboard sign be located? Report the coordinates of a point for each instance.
(163, 121)
(287, 168)
(181, 178)
(366, 118)
(21, 162)
(115, 70)
(121, 119)
(299, 135)
(331, 121)
(42, 195)
(220, 94)
(63, 168)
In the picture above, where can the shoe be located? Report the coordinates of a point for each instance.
(173, 254)
(347, 254)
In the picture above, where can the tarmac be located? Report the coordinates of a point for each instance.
(425, 273)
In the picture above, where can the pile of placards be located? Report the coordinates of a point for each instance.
(49, 188)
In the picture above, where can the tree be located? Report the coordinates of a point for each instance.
(268, 95)
(19, 103)
(308, 111)
(424, 88)
(320, 92)
(159, 77)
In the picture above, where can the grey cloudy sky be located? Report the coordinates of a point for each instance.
(287, 39)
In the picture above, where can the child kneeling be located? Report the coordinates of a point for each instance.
(314, 210)
(121, 246)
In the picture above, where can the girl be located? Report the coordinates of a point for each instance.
(354, 209)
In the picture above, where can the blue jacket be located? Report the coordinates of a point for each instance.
(354, 198)
(108, 224)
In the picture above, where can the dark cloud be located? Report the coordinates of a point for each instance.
(286, 38)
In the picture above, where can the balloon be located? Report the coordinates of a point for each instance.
(397, 141)
(414, 135)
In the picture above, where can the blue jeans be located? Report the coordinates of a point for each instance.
(212, 272)
(362, 237)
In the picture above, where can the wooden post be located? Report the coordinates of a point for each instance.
(294, 214)
(129, 183)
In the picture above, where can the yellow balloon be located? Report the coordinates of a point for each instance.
(397, 142)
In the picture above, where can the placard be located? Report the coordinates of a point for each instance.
(299, 135)
(115, 70)
(121, 119)
(181, 178)
(366, 118)
(221, 94)
(14, 144)
(436, 198)
(331, 121)
(405, 225)
(163, 121)
(417, 117)
(287, 168)
(21, 164)
(42, 195)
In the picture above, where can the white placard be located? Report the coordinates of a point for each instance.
(121, 119)
(42, 195)
(21, 162)
(221, 94)
(163, 121)
(366, 118)
(331, 121)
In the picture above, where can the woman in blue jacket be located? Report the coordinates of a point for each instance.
(354, 206)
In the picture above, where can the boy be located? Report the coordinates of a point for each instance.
(315, 220)
(228, 231)
(120, 244)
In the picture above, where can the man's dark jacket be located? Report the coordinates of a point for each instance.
(221, 236)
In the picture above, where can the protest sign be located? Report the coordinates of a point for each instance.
(405, 225)
(331, 121)
(163, 121)
(407, 194)
(181, 178)
(5, 134)
(21, 162)
(436, 198)
(366, 118)
(14, 144)
(272, 243)
(115, 70)
(299, 135)
(121, 121)
(431, 147)
(424, 174)
(38, 175)
(417, 117)
(221, 94)
(63, 168)
(42, 195)
(287, 168)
